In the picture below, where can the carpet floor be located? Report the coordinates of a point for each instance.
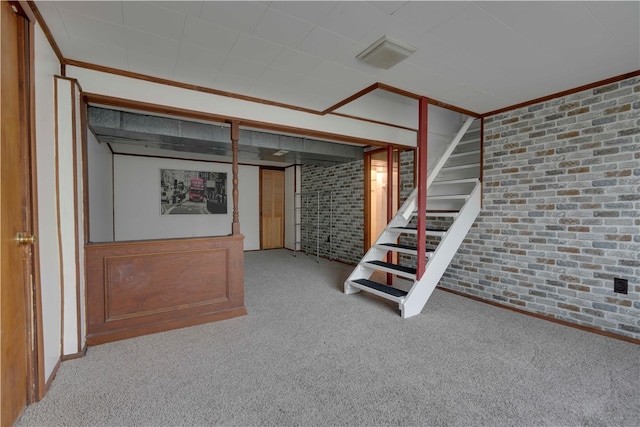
(308, 355)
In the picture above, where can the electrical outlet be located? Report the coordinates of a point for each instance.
(620, 286)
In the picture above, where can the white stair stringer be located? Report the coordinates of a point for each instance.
(376, 252)
(413, 303)
(455, 191)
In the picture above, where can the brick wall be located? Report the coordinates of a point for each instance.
(346, 184)
(561, 210)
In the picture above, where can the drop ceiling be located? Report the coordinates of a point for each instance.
(476, 56)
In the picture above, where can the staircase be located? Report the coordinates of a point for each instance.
(454, 196)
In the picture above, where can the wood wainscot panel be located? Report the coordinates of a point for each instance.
(136, 288)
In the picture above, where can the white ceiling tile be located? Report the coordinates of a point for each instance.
(461, 95)
(621, 21)
(282, 29)
(388, 7)
(485, 103)
(208, 35)
(352, 19)
(141, 43)
(524, 18)
(189, 8)
(193, 74)
(508, 52)
(200, 57)
(152, 19)
(349, 59)
(475, 31)
(152, 66)
(324, 44)
(95, 53)
(54, 19)
(394, 28)
(426, 15)
(315, 86)
(232, 82)
(274, 76)
(431, 52)
(341, 76)
(317, 101)
(295, 61)
(242, 16)
(415, 79)
(310, 11)
(255, 49)
(93, 30)
(110, 11)
(268, 91)
(455, 64)
(243, 67)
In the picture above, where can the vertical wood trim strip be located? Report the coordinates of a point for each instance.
(85, 173)
(59, 225)
(367, 201)
(39, 383)
(74, 159)
(113, 194)
(260, 201)
(481, 162)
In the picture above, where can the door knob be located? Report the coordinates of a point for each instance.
(25, 238)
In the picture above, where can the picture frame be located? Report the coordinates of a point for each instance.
(189, 192)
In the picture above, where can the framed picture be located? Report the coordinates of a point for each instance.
(192, 192)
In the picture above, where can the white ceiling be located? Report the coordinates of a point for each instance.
(478, 56)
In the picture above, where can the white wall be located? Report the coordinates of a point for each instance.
(100, 176)
(137, 206)
(97, 82)
(443, 126)
(69, 205)
(249, 205)
(46, 66)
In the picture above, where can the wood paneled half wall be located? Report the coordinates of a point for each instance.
(142, 287)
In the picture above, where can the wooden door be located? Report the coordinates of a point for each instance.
(15, 213)
(272, 209)
(376, 196)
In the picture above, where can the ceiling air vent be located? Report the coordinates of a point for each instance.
(386, 52)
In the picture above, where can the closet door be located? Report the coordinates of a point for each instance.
(271, 209)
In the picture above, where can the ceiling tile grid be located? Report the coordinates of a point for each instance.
(479, 56)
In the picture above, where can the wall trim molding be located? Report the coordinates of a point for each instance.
(564, 93)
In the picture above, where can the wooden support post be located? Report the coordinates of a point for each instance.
(422, 186)
(235, 135)
(389, 202)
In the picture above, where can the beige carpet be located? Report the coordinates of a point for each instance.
(308, 355)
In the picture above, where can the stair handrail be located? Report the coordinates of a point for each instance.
(452, 146)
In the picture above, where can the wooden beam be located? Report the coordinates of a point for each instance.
(235, 135)
(389, 202)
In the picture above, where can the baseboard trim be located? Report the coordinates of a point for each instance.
(545, 317)
(77, 355)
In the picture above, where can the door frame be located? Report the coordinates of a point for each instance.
(368, 239)
(36, 386)
(271, 168)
